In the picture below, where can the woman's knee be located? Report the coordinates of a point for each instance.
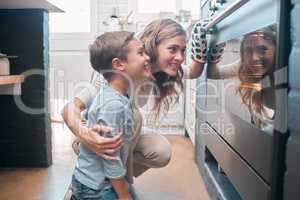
(153, 151)
(162, 153)
(164, 157)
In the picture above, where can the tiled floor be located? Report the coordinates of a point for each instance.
(180, 180)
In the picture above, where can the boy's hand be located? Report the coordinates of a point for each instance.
(121, 188)
(125, 198)
(102, 146)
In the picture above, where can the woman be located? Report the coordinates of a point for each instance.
(165, 42)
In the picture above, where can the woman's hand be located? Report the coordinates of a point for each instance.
(198, 51)
(199, 42)
(102, 146)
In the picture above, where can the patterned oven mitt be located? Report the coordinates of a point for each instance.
(199, 42)
(215, 53)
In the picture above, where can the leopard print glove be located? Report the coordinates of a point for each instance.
(215, 53)
(199, 42)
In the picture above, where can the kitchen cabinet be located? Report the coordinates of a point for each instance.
(25, 123)
(11, 84)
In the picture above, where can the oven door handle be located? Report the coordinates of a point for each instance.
(225, 13)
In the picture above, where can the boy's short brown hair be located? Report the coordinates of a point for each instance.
(108, 46)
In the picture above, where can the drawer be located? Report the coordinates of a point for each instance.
(249, 185)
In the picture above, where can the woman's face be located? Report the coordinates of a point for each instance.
(170, 55)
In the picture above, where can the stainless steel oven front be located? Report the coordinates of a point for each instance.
(241, 103)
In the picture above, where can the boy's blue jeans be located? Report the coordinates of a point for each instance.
(82, 192)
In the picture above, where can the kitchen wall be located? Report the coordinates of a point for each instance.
(105, 9)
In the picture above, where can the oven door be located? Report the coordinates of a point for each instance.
(243, 101)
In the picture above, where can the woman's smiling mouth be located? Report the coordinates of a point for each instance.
(173, 66)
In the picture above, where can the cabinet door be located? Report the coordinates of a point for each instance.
(190, 108)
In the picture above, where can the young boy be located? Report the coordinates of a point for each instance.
(121, 59)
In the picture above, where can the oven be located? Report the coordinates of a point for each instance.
(241, 102)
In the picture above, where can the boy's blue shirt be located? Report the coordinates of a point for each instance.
(112, 109)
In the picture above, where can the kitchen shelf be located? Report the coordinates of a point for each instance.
(11, 79)
(11, 84)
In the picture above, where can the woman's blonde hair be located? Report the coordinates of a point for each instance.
(153, 34)
(250, 88)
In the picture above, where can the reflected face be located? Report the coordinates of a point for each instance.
(170, 55)
(258, 55)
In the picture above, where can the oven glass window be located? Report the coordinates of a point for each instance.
(245, 73)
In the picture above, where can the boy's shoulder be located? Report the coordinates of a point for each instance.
(109, 100)
(110, 96)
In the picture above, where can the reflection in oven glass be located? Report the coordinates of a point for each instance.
(246, 68)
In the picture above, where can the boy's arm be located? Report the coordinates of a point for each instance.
(114, 115)
(121, 188)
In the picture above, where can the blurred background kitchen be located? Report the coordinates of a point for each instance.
(72, 31)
